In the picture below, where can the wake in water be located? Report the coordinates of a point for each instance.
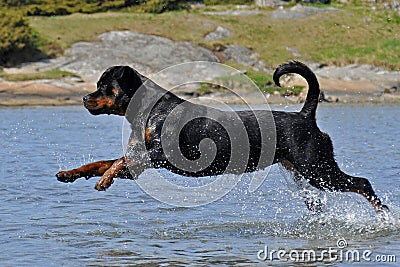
(338, 214)
(274, 210)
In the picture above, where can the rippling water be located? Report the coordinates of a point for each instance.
(47, 223)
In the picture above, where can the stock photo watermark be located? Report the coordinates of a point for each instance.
(205, 137)
(182, 116)
(340, 253)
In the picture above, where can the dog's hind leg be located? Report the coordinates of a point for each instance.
(89, 170)
(348, 183)
(312, 202)
(333, 179)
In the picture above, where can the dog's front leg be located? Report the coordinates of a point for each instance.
(89, 170)
(117, 169)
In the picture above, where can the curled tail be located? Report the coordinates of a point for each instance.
(312, 99)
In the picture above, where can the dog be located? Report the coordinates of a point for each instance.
(301, 147)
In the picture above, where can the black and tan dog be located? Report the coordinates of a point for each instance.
(300, 145)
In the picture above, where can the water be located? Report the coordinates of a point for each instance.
(47, 223)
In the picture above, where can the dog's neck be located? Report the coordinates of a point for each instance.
(148, 96)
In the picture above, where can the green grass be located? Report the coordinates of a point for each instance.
(208, 88)
(51, 74)
(263, 81)
(295, 90)
(260, 79)
(266, 84)
(354, 34)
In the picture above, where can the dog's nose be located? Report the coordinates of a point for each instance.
(85, 98)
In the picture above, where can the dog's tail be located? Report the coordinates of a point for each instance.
(312, 99)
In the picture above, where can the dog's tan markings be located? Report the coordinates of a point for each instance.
(108, 177)
(147, 134)
(88, 171)
(375, 201)
(105, 101)
(289, 166)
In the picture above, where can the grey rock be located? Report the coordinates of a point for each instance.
(286, 14)
(271, 3)
(299, 11)
(241, 55)
(219, 33)
(149, 55)
(146, 53)
(358, 72)
(233, 13)
(189, 75)
(294, 51)
(392, 5)
(309, 10)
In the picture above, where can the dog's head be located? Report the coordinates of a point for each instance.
(115, 89)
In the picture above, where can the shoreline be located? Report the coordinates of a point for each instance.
(47, 95)
(43, 93)
(67, 92)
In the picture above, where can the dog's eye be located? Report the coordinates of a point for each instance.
(102, 87)
(108, 90)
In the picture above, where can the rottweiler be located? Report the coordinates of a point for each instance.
(300, 146)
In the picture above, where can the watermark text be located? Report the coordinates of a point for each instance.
(340, 253)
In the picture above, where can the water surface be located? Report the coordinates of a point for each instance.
(47, 223)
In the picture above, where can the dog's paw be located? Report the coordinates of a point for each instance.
(67, 176)
(104, 183)
(383, 213)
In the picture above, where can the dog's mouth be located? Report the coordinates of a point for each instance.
(90, 104)
(98, 111)
(94, 108)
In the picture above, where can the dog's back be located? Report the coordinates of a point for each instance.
(248, 138)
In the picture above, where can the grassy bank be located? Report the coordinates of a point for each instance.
(354, 34)
(50, 74)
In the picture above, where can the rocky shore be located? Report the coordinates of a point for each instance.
(150, 54)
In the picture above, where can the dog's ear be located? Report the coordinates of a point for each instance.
(127, 78)
(118, 72)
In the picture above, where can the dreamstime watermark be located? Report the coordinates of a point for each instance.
(228, 145)
(340, 253)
